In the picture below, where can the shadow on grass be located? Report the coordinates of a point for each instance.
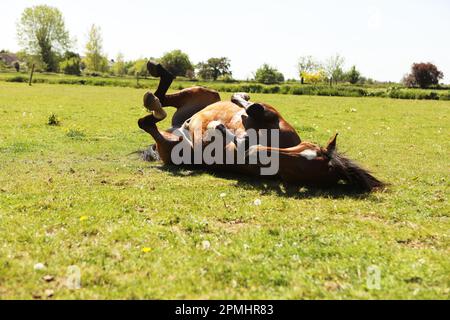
(268, 185)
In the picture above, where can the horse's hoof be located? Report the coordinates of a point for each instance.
(242, 99)
(158, 71)
(153, 69)
(244, 95)
(151, 102)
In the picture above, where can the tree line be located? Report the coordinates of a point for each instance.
(312, 71)
(47, 45)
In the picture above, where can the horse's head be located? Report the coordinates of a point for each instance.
(310, 164)
(263, 116)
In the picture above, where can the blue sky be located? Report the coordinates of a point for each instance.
(382, 38)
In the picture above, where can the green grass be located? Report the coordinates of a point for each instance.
(73, 195)
(342, 89)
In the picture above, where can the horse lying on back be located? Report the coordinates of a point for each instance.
(237, 135)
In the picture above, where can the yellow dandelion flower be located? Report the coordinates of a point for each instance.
(146, 249)
(83, 218)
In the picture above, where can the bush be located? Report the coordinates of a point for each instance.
(17, 79)
(93, 74)
(139, 66)
(445, 96)
(71, 66)
(344, 90)
(397, 93)
(53, 120)
(314, 77)
(353, 76)
(227, 78)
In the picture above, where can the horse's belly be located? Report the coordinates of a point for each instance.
(225, 112)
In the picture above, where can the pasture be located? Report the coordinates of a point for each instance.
(386, 90)
(73, 194)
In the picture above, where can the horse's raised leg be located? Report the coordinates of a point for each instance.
(187, 101)
(155, 102)
(166, 78)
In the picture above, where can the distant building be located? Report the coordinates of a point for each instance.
(8, 58)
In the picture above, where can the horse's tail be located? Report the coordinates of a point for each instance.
(354, 174)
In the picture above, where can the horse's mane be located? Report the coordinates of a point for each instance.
(353, 173)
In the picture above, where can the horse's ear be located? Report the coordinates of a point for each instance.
(331, 146)
(255, 110)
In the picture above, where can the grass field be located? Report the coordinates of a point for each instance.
(389, 90)
(73, 195)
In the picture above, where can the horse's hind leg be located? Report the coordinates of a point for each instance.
(166, 78)
(188, 102)
(155, 102)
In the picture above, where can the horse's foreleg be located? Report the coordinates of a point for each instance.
(164, 141)
(242, 99)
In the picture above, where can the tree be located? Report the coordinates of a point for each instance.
(41, 31)
(176, 62)
(30, 59)
(314, 77)
(214, 68)
(423, 75)
(333, 68)
(409, 80)
(71, 63)
(353, 75)
(139, 66)
(268, 75)
(190, 74)
(118, 68)
(95, 60)
(307, 65)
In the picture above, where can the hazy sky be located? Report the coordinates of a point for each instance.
(382, 38)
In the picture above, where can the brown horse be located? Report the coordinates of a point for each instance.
(200, 111)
